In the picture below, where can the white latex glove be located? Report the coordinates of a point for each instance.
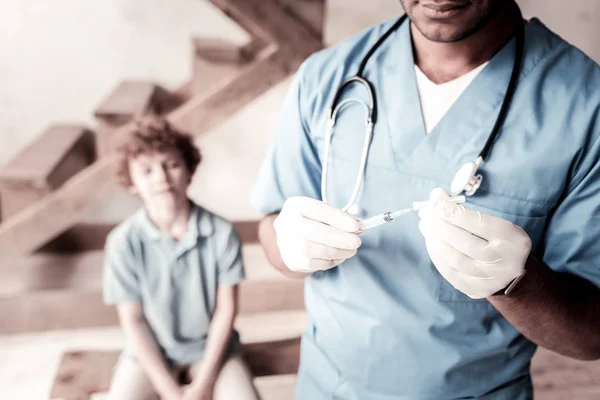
(314, 236)
(478, 254)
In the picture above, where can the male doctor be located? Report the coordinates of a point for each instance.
(450, 302)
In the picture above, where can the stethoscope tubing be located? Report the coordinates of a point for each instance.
(372, 114)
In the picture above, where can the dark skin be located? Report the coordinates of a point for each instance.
(451, 38)
(557, 311)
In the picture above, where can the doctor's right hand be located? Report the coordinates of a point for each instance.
(315, 236)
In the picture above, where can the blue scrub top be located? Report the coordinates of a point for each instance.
(385, 325)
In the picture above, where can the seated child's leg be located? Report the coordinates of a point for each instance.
(129, 382)
(234, 380)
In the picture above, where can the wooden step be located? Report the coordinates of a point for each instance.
(558, 377)
(45, 164)
(310, 12)
(92, 236)
(83, 271)
(271, 346)
(276, 387)
(133, 97)
(129, 99)
(271, 326)
(216, 60)
(46, 219)
(60, 309)
(43, 292)
(89, 378)
(271, 340)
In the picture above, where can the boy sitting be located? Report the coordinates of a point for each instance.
(173, 269)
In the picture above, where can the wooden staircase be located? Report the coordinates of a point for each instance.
(280, 41)
(51, 262)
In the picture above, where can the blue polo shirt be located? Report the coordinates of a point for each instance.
(175, 281)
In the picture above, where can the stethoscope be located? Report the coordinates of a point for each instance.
(466, 179)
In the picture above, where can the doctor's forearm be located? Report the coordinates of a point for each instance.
(268, 240)
(557, 311)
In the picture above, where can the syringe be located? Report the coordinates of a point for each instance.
(384, 218)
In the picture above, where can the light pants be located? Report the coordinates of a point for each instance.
(234, 381)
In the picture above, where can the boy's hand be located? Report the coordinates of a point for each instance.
(314, 236)
(198, 392)
(173, 394)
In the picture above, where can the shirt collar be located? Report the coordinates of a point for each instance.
(199, 225)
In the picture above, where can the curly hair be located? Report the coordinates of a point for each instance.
(150, 134)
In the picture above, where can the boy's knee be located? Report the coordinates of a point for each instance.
(235, 381)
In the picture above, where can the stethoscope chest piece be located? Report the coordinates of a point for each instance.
(466, 179)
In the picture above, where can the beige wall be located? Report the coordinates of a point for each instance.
(575, 20)
(58, 58)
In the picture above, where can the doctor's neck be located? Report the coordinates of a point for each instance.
(451, 38)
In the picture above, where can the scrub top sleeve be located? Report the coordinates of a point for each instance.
(572, 241)
(292, 166)
(229, 258)
(120, 280)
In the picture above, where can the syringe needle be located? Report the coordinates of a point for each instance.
(387, 217)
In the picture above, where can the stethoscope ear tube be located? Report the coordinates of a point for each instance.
(370, 93)
(510, 90)
(471, 183)
(363, 158)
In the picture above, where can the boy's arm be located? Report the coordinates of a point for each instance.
(137, 331)
(219, 334)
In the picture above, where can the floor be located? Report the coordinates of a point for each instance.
(28, 365)
(28, 362)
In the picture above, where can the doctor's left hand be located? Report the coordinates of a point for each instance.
(477, 253)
